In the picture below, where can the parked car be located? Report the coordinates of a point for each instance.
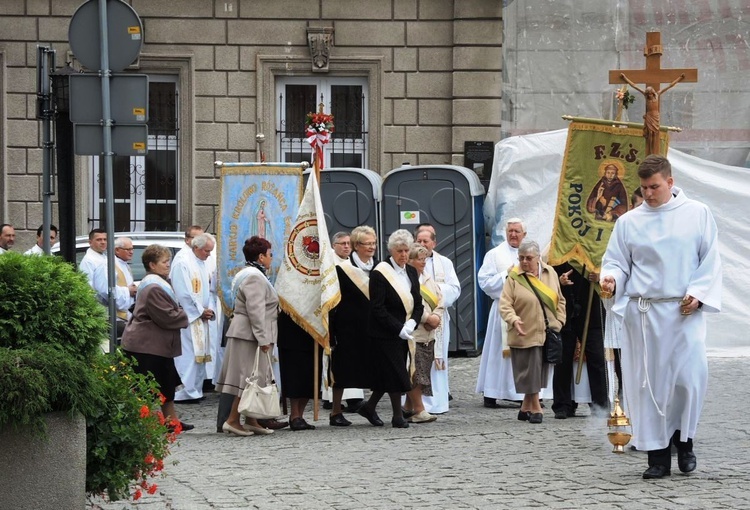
(172, 240)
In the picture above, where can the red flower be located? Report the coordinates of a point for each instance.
(149, 459)
(152, 489)
(137, 495)
(162, 399)
(145, 411)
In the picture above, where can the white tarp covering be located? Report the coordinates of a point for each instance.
(557, 54)
(524, 183)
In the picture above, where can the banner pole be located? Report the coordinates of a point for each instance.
(616, 123)
(585, 333)
(316, 382)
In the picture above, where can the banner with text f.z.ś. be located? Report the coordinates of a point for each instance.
(598, 178)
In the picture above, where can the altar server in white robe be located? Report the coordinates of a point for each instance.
(662, 262)
(495, 379)
(191, 281)
(441, 270)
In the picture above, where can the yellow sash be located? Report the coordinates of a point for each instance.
(121, 282)
(386, 269)
(358, 277)
(428, 296)
(547, 295)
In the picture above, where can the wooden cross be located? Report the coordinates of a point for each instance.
(653, 76)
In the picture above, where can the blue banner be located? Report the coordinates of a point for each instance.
(256, 199)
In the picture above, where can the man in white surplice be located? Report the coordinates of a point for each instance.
(495, 379)
(441, 270)
(191, 281)
(125, 289)
(662, 262)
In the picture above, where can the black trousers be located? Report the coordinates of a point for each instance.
(596, 369)
(663, 457)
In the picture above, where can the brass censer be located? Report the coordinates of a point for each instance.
(618, 425)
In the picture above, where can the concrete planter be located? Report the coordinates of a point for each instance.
(37, 473)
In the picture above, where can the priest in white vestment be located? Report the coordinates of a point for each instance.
(191, 282)
(125, 288)
(441, 270)
(662, 262)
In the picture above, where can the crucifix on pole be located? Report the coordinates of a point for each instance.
(653, 76)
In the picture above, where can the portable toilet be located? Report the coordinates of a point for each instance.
(350, 197)
(450, 198)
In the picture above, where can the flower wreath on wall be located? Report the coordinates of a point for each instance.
(318, 129)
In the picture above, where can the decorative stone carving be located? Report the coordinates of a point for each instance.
(320, 41)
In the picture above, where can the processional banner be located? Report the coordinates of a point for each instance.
(257, 199)
(598, 177)
(307, 284)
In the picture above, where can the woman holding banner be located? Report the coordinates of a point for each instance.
(530, 284)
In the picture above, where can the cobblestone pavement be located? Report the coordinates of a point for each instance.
(472, 457)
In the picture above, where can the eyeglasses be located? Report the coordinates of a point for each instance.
(528, 257)
(126, 249)
(369, 245)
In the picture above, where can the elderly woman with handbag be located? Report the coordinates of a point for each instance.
(252, 333)
(531, 304)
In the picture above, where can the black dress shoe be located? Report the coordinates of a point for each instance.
(300, 424)
(338, 420)
(399, 423)
(561, 415)
(656, 471)
(352, 404)
(524, 415)
(371, 416)
(491, 403)
(686, 461)
(408, 413)
(327, 405)
(536, 417)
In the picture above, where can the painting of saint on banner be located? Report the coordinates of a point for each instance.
(256, 200)
(598, 179)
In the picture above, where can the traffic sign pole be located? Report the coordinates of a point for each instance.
(108, 155)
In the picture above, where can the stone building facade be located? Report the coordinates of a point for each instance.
(414, 79)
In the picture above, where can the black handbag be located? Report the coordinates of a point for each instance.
(553, 349)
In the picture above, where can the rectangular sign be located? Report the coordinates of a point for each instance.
(128, 98)
(126, 140)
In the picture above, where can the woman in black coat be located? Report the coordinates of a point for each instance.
(395, 310)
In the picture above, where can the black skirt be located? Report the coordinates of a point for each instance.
(161, 368)
(388, 371)
(296, 359)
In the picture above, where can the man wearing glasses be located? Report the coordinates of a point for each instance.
(342, 246)
(125, 289)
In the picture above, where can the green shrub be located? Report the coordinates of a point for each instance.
(47, 302)
(41, 380)
(51, 330)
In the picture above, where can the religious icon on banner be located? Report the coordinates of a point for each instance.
(609, 199)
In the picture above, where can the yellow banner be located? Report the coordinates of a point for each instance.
(598, 178)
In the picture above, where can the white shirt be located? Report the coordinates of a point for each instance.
(90, 262)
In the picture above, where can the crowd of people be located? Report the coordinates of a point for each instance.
(390, 332)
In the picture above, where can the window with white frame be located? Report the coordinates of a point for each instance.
(146, 188)
(344, 98)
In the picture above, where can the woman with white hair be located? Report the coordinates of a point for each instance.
(531, 299)
(395, 310)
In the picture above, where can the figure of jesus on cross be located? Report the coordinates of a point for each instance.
(653, 76)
